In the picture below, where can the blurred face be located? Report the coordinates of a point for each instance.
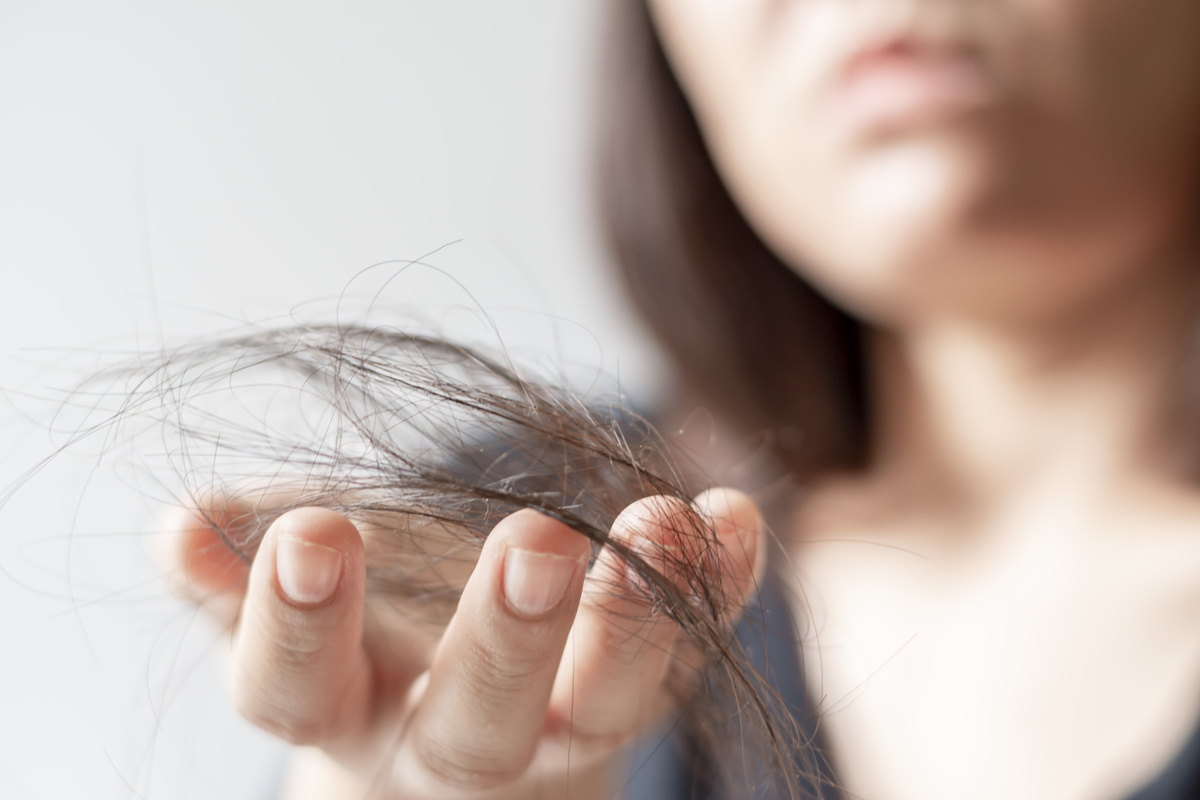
(1007, 159)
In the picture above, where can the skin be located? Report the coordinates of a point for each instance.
(526, 693)
(1028, 626)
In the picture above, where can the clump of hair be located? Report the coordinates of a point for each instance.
(428, 444)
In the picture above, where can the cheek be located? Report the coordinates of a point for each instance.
(712, 46)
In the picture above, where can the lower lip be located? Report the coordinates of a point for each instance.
(898, 92)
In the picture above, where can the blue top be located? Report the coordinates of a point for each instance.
(660, 771)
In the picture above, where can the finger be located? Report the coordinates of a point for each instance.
(299, 668)
(610, 685)
(620, 647)
(201, 560)
(484, 708)
(733, 568)
(740, 554)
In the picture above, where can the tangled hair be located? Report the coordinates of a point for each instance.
(426, 445)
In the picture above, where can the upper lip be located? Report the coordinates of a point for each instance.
(910, 41)
(900, 49)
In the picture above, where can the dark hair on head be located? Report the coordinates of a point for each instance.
(750, 338)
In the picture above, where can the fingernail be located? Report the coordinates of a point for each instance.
(308, 573)
(535, 582)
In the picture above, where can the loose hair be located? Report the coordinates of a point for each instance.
(425, 445)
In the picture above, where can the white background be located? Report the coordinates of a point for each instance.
(167, 169)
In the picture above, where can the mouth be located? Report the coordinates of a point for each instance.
(904, 84)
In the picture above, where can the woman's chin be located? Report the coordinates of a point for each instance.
(898, 268)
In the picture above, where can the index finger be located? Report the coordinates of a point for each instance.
(483, 710)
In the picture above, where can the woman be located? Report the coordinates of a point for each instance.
(944, 254)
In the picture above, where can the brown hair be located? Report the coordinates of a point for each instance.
(750, 338)
(425, 445)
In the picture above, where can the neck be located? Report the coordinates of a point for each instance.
(978, 416)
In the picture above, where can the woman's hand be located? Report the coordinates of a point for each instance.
(543, 674)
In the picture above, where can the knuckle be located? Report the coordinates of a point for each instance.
(495, 676)
(281, 722)
(302, 733)
(288, 639)
(298, 647)
(467, 767)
